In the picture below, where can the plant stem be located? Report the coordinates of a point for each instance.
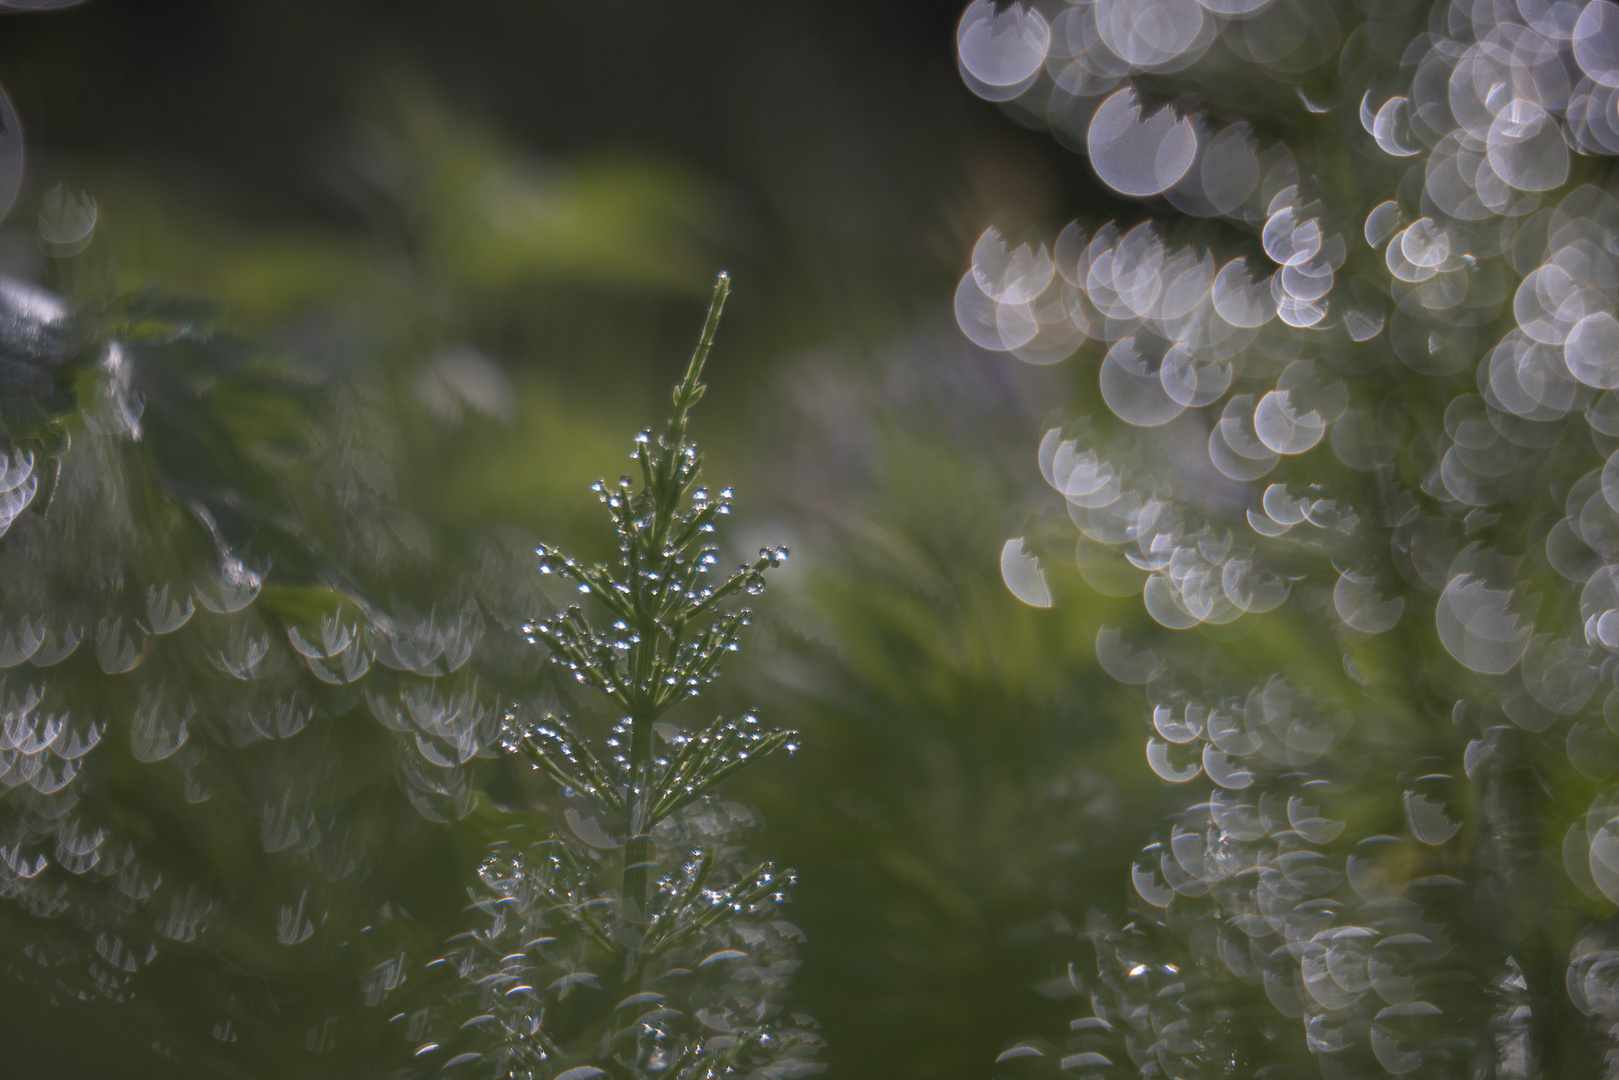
(654, 638)
(638, 847)
(690, 388)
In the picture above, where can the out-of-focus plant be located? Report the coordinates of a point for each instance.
(469, 269)
(162, 748)
(638, 942)
(959, 789)
(1354, 449)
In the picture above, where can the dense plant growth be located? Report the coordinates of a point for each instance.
(1353, 448)
(309, 769)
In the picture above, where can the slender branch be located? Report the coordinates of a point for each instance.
(638, 855)
(691, 388)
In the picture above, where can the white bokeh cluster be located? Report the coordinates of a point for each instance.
(135, 636)
(1357, 372)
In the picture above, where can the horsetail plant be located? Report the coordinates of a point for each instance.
(657, 651)
(637, 942)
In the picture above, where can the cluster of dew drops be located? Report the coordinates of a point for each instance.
(679, 580)
(1451, 225)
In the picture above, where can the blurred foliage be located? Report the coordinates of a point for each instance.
(1353, 451)
(427, 317)
(961, 787)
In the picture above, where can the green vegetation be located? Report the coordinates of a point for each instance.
(1196, 655)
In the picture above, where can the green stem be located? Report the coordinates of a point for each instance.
(638, 845)
(687, 394)
(690, 388)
